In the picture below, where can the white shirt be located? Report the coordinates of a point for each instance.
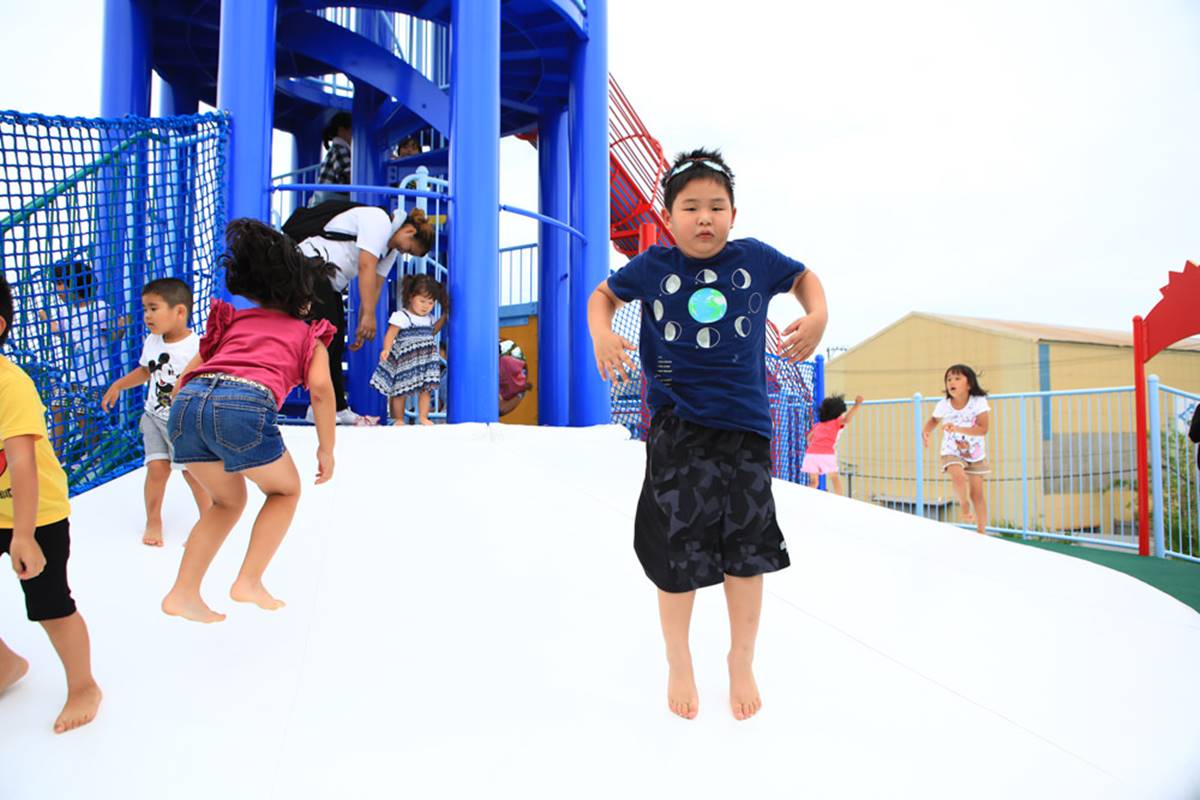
(371, 227)
(970, 448)
(405, 319)
(86, 331)
(166, 361)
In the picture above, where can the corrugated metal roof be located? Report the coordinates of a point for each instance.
(1040, 332)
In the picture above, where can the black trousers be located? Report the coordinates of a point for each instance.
(331, 307)
(47, 596)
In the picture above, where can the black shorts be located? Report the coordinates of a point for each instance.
(706, 509)
(47, 596)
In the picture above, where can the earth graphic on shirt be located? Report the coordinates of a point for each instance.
(708, 305)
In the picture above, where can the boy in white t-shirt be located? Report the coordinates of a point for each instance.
(963, 414)
(169, 346)
(86, 327)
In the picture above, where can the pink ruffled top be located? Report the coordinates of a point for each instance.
(261, 345)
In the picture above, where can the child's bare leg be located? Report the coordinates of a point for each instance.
(979, 502)
(69, 635)
(157, 473)
(228, 492)
(836, 481)
(675, 613)
(396, 408)
(743, 596)
(958, 479)
(12, 667)
(423, 408)
(199, 493)
(280, 482)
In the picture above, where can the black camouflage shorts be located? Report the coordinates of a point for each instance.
(706, 509)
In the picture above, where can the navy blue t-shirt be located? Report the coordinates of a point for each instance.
(704, 322)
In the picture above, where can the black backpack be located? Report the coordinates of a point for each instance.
(307, 222)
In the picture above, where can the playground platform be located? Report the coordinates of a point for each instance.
(490, 634)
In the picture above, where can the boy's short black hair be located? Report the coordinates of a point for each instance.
(693, 166)
(6, 307)
(173, 290)
(831, 407)
(77, 277)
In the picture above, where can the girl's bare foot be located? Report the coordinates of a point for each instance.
(244, 591)
(12, 670)
(80, 708)
(682, 697)
(965, 515)
(426, 422)
(193, 608)
(153, 536)
(743, 691)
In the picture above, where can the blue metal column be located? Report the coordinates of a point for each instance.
(818, 396)
(124, 89)
(474, 278)
(366, 169)
(554, 249)
(589, 401)
(246, 89)
(125, 82)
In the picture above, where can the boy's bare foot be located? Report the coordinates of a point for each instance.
(153, 536)
(965, 515)
(743, 691)
(682, 697)
(247, 592)
(80, 708)
(12, 670)
(426, 422)
(192, 608)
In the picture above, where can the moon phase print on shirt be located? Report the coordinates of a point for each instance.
(722, 307)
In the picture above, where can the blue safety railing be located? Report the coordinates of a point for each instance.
(1063, 465)
(1175, 481)
(519, 275)
(90, 211)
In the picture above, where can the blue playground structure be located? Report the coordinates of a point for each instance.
(92, 209)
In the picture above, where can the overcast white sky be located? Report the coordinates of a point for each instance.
(1025, 159)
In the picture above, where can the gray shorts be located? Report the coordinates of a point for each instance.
(154, 438)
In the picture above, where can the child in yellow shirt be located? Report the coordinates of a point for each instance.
(34, 531)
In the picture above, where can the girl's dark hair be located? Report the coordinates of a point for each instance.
(266, 266)
(340, 120)
(414, 285)
(831, 407)
(77, 277)
(6, 307)
(425, 232)
(689, 167)
(973, 387)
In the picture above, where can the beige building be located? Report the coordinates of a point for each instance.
(1060, 462)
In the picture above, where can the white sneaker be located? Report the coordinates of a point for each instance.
(345, 417)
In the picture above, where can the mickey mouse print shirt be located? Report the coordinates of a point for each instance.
(166, 361)
(703, 335)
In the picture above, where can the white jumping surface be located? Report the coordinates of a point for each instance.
(466, 619)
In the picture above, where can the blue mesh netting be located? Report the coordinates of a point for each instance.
(90, 211)
(789, 392)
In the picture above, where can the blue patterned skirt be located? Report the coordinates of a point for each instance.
(412, 365)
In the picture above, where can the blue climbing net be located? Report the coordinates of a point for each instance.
(90, 211)
(789, 393)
